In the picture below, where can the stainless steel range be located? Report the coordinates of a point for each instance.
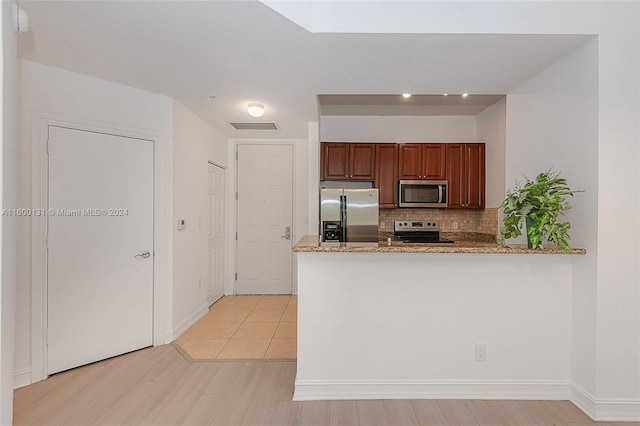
(418, 231)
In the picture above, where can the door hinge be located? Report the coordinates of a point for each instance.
(46, 337)
(236, 236)
(48, 146)
(236, 276)
(236, 155)
(236, 195)
(46, 242)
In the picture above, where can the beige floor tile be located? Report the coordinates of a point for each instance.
(250, 301)
(265, 315)
(286, 330)
(289, 316)
(228, 316)
(203, 348)
(273, 302)
(216, 330)
(281, 348)
(256, 330)
(183, 338)
(244, 348)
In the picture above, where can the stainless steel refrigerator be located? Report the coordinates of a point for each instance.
(348, 215)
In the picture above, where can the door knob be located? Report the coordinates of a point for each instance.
(144, 254)
(287, 233)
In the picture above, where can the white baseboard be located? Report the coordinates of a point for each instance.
(626, 410)
(21, 378)
(310, 390)
(173, 334)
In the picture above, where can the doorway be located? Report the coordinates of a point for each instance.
(100, 246)
(264, 219)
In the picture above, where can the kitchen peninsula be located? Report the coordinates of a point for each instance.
(405, 321)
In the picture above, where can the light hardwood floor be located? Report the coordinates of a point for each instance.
(158, 386)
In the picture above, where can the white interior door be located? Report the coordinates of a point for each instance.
(215, 232)
(99, 285)
(265, 211)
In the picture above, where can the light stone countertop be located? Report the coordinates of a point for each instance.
(310, 244)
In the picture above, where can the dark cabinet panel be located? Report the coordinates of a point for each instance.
(362, 161)
(334, 161)
(434, 161)
(455, 175)
(422, 161)
(387, 174)
(466, 175)
(410, 161)
(475, 174)
(347, 161)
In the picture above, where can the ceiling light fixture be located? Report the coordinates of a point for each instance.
(255, 109)
(406, 95)
(464, 95)
(445, 94)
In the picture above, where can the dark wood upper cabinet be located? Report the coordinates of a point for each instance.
(466, 175)
(420, 161)
(347, 161)
(361, 161)
(334, 161)
(474, 157)
(386, 176)
(434, 163)
(410, 161)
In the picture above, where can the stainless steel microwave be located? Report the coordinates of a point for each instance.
(423, 193)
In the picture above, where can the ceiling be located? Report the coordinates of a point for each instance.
(243, 51)
(450, 104)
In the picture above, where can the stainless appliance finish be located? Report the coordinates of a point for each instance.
(418, 231)
(348, 215)
(423, 193)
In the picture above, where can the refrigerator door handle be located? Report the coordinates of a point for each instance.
(343, 218)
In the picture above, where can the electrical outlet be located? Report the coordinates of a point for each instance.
(481, 351)
(455, 225)
(383, 225)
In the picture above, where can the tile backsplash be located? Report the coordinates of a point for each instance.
(462, 221)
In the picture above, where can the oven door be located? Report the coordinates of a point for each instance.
(423, 193)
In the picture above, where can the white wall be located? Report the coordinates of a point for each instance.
(491, 129)
(405, 325)
(552, 121)
(8, 167)
(50, 93)
(313, 153)
(354, 128)
(194, 144)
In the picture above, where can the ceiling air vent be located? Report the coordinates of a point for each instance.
(255, 126)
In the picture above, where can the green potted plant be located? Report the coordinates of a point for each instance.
(538, 203)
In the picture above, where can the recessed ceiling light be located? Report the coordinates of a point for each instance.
(464, 95)
(212, 98)
(406, 95)
(255, 109)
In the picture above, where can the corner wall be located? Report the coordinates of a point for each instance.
(552, 121)
(8, 173)
(491, 127)
(195, 143)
